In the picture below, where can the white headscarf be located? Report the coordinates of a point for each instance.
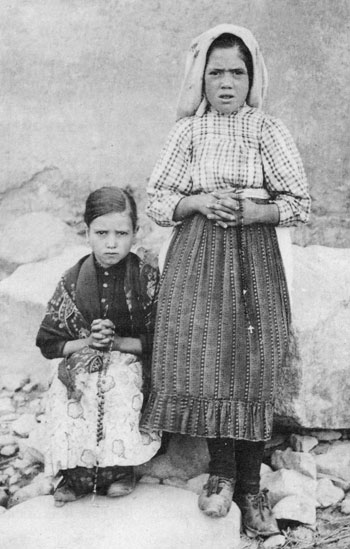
(191, 100)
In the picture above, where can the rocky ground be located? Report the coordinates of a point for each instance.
(307, 475)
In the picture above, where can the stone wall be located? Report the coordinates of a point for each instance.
(89, 90)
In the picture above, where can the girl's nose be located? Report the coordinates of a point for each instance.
(227, 80)
(111, 241)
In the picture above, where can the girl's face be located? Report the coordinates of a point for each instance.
(111, 237)
(226, 81)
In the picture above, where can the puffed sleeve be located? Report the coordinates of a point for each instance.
(171, 180)
(284, 174)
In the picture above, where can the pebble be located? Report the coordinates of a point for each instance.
(327, 494)
(302, 462)
(6, 406)
(326, 436)
(9, 471)
(14, 382)
(41, 486)
(14, 479)
(24, 425)
(7, 440)
(303, 535)
(7, 418)
(345, 505)
(9, 450)
(2, 510)
(297, 509)
(301, 443)
(3, 497)
(274, 542)
(29, 387)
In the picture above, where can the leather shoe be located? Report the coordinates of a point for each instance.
(257, 516)
(216, 497)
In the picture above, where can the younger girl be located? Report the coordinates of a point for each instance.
(100, 321)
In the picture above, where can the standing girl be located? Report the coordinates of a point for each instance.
(100, 320)
(227, 176)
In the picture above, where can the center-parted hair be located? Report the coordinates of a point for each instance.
(228, 40)
(109, 200)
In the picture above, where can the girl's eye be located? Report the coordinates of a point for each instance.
(101, 233)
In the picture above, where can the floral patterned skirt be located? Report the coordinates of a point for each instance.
(71, 425)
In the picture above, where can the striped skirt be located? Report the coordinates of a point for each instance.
(221, 332)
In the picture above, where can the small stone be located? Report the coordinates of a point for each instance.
(335, 461)
(327, 494)
(265, 469)
(345, 505)
(29, 387)
(13, 489)
(303, 535)
(6, 440)
(147, 479)
(36, 407)
(298, 461)
(6, 406)
(14, 479)
(274, 541)
(301, 443)
(7, 418)
(24, 425)
(13, 382)
(276, 440)
(20, 398)
(296, 509)
(174, 481)
(3, 497)
(196, 484)
(286, 482)
(339, 482)
(9, 471)
(9, 451)
(326, 436)
(2, 510)
(42, 486)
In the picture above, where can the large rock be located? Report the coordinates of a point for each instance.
(23, 299)
(335, 461)
(33, 237)
(314, 387)
(153, 517)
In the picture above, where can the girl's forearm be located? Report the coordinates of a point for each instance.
(185, 208)
(131, 345)
(268, 213)
(75, 345)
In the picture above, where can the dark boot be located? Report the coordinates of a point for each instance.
(64, 494)
(123, 484)
(257, 516)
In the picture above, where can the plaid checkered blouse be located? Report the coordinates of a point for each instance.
(247, 149)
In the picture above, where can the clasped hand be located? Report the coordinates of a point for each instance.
(102, 334)
(228, 208)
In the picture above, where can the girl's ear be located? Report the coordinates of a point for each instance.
(87, 230)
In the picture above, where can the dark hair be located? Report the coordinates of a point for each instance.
(108, 200)
(228, 40)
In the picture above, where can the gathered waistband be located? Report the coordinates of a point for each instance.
(254, 193)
